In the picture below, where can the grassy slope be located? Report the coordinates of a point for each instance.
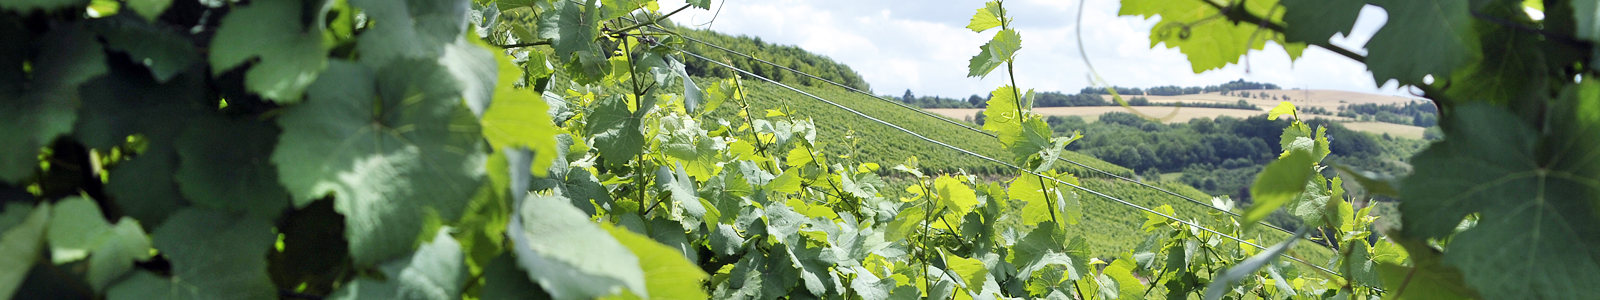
(885, 145)
(1111, 228)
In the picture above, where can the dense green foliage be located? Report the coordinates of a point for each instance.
(380, 150)
(1412, 113)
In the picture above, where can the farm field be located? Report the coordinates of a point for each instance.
(1329, 99)
(1405, 131)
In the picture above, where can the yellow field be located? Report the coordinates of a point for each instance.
(1092, 114)
(1328, 99)
(1397, 130)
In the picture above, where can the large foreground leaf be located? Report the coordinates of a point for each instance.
(391, 147)
(291, 53)
(1537, 233)
(214, 255)
(1422, 37)
(36, 108)
(572, 257)
(435, 272)
(22, 233)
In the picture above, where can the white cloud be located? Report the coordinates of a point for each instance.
(924, 45)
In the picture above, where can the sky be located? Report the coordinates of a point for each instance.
(924, 45)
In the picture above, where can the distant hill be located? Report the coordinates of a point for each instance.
(786, 55)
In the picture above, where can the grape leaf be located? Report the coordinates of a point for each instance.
(683, 196)
(971, 271)
(572, 30)
(955, 195)
(417, 29)
(226, 165)
(1004, 45)
(1040, 193)
(291, 53)
(1316, 21)
(44, 105)
(667, 275)
(702, 4)
(986, 17)
(149, 9)
(980, 65)
(20, 242)
(213, 256)
(435, 272)
(518, 118)
(75, 225)
(1121, 271)
(616, 129)
(758, 276)
(158, 47)
(1280, 182)
(1001, 48)
(1004, 116)
(77, 229)
(1047, 245)
(391, 147)
(570, 256)
(129, 101)
(1534, 193)
(1421, 38)
(1220, 285)
(504, 280)
(1209, 44)
(1513, 67)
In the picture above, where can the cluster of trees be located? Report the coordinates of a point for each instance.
(1173, 90)
(974, 101)
(1256, 95)
(789, 56)
(1140, 101)
(1218, 156)
(1414, 113)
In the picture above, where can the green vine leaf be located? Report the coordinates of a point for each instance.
(1519, 182)
(1209, 43)
(226, 164)
(1316, 21)
(78, 229)
(292, 54)
(519, 118)
(1422, 38)
(165, 52)
(1281, 181)
(214, 256)
(617, 128)
(22, 235)
(43, 105)
(667, 275)
(391, 146)
(572, 30)
(149, 9)
(987, 17)
(414, 29)
(570, 256)
(435, 272)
